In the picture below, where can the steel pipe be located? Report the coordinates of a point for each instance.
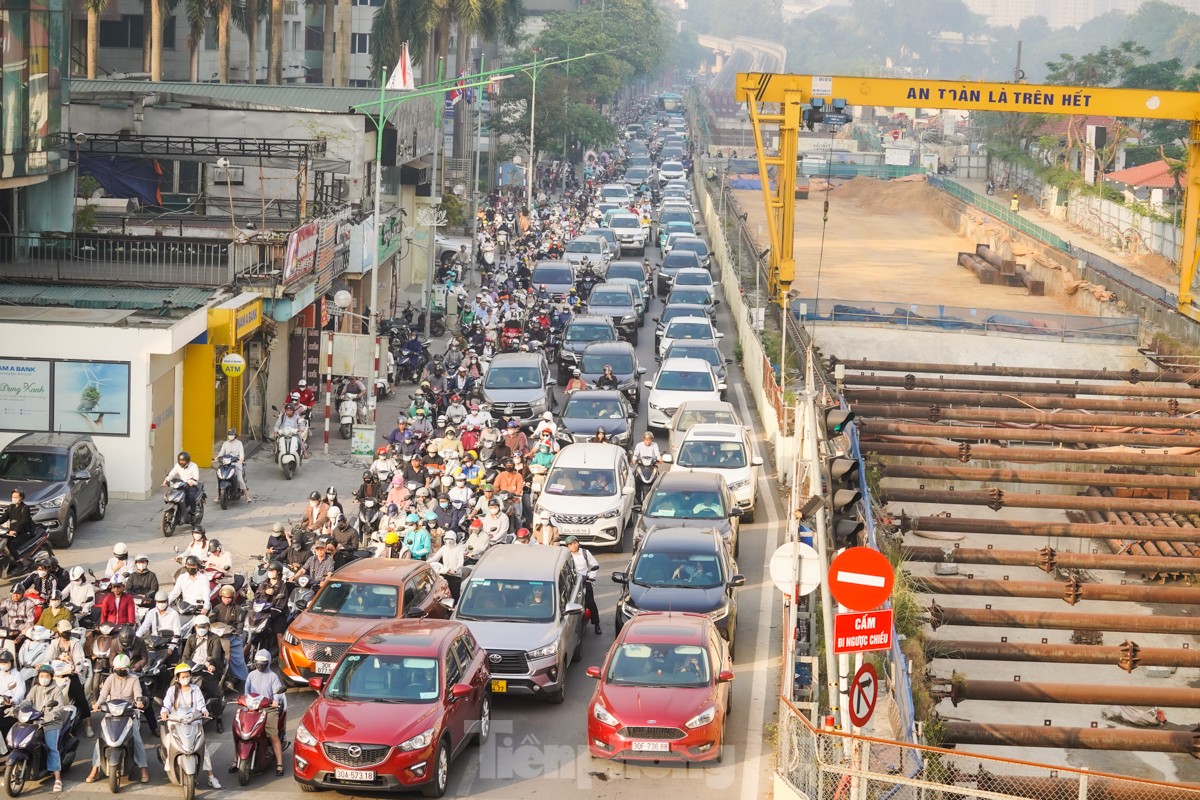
(915, 410)
(1049, 560)
(1127, 655)
(991, 734)
(1076, 530)
(1071, 591)
(1176, 392)
(1098, 788)
(1060, 620)
(878, 427)
(1139, 457)
(1017, 400)
(996, 499)
(962, 688)
(1132, 376)
(1060, 477)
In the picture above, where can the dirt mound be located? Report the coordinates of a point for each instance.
(891, 197)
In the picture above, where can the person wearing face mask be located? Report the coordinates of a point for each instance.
(40, 580)
(142, 583)
(231, 612)
(80, 592)
(192, 585)
(298, 551)
(232, 446)
(417, 541)
(186, 470)
(511, 481)
(160, 619)
(203, 649)
(183, 695)
(263, 682)
(50, 699)
(443, 512)
(121, 685)
(129, 644)
(274, 590)
(19, 519)
(19, 612)
(316, 516)
(55, 612)
(197, 547)
(119, 564)
(118, 607)
(12, 690)
(66, 653)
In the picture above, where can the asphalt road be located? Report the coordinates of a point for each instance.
(537, 750)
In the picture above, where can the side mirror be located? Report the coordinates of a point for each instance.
(640, 370)
(460, 691)
(415, 613)
(593, 672)
(447, 603)
(627, 491)
(648, 384)
(620, 577)
(724, 676)
(716, 283)
(729, 362)
(572, 609)
(317, 684)
(721, 387)
(737, 581)
(756, 461)
(550, 381)
(667, 458)
(82, 475)
(736, 511)
(720, 335)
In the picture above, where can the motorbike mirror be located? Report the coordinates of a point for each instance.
(316, 684)
(175, 548)
(90, 573)
(275, 408)
(667, 458)
(593, 672)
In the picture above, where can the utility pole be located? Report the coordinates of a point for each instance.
(474, 226)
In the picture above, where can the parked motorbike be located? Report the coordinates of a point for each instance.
(28, 757)
(252, 746)
(288, 452)
(121, 719)
(175, 511)
(182, 749)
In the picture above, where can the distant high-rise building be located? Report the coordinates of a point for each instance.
(1060, 13)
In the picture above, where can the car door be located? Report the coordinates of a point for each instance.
(625, 481)
(84, 492)
(458, 717)
(473, 661)
(570, 590)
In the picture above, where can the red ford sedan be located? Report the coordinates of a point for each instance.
(402, 703)
(664, 691)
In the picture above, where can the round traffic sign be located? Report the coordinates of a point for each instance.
(864, 694)
(785, 574)
(861, 578)
(895, 135)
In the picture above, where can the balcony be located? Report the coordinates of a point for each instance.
(103, 258)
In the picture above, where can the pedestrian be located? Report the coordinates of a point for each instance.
(1015, 205)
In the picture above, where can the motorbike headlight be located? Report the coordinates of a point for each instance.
(53, 503)
(544, 652)
(601, 714)
(703, 718)
(288, 638)
(742, 484)
(417, 742)
(304, 737)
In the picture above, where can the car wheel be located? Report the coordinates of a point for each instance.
(556, 698)
(441, 772)
(65, 535)
(749, 515)
(101, 503)
(578, 654)
(308, 787)
(485, 721)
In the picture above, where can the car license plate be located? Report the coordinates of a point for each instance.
(324, 668)
(365, 775)
(574, 531)
(652, 747)
(500, 687)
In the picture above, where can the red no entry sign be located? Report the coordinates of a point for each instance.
(861, 578)
(864, 694)
(861, 633)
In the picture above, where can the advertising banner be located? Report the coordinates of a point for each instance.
(24, 395)
(300, 259)
(91, 397)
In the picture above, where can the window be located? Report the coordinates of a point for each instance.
(296, 35)
(81, 459)
(127, 32)
(369, 600)
(464, 651)
(566, 584)
(360, 43)
(454, 669)
(416, 589)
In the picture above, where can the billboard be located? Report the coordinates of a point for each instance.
(91, 397)
(24, 395)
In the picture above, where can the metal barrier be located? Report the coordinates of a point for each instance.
(121, 259)
(1123, 276)
(1000, 211)
(1060, 327)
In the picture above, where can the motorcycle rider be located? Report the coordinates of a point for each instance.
(204, 650)
(197, 547)
(369, 487)
(12, 690)
(183, 695)
(290, 420)
(607, 379)
(477, 540)
(546, 424)
(141, 583)
(511, 481)
(587, 568)
(187, 471)
(119, 563)
(232, 446)
(462, 383)
(118, 607)
(121, 685)
(384, 465)
(575, 383)
(192, 585)
(274, 590)
(133, 647)
(54, 612)
(297, 552)
(316, 516)
(344, 536)
(308, 397)
(66, 653)
(397, 434)
(495, 523)
(544, 529)
(647, 447)
(263, 682)
(160, 619)
(233, 614)
(41, 580)
(80, 592)
(417, 541)
(50, 699)
(18, 612)
(319, 565)
(218, 558)
(413, 350)
(19, 519)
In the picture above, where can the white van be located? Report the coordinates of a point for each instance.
(589, 494)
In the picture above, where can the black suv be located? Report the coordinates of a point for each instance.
(581, 331)
(622, 357)
(673, 262)
(63, 478)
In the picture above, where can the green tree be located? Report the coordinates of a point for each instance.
(1101, 68)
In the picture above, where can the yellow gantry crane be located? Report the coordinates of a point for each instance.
(777, 101)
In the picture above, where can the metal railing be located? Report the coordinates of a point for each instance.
(1000, 211)
(89, 258)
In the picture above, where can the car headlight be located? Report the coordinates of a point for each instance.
(703, 718)
(614, 512)
(538, 403)
(629, 318)
(653, 406)
(55, 503)
(304, 737)
(544, 652)
(417, 742)
(601, 714)
(739, 484)
(288, 638)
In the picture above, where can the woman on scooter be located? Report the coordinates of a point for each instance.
(67, 651)
(121, 685)
(183, 695)
(50, 699)
(204, 650)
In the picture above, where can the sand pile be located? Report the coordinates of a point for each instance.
(901, 196)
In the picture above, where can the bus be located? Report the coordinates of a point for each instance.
(671, 103)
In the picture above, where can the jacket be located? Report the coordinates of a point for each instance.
(19, 518)
(216, 653)
(118, 610)
(41, 697)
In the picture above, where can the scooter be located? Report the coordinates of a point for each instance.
(410, 364)
(27, 758)
(300, 597)
(19, 563)
(251, 744)
(175, 511)
(156, 675)
(103, 647)
(121, 719)
(347, 414)
(288, 452)
(227, 481)
(182, 749)
(33, 651)
(368, 518)
(261, 627)
(644, 476)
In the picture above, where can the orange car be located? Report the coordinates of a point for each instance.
(355, 599)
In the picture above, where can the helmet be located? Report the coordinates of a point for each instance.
(413, 518)
(277, 566)
(184, 456)
(231, 432)
(121, 661)
(278, 527)
(191, 561)
(201, 620)
(314, 496)
(547, 416)
(331, 493)
(76, 573)
(125, 636)
(199, 529)
(302, 382)
(227, 591)
(120, 549)
(181, 669)
(430, 516)
(575, 372)
(600, 431)
(262, 656)
(6, 657)
(141, 557)
(391, 538)
(295, 396)
(368, 475)
(214, 546)
(381, 451)
(289, 407)
(160, 597)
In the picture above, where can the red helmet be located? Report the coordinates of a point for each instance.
(381, 451)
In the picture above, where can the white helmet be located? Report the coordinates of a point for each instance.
(201, 620)
(547, 416)
(120, 549)
(76, 573)
(262, 656)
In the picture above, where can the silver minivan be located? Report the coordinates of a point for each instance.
(524, 604)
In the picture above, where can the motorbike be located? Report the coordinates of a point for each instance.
(252, 746)
(156, 674)
(991, 188)
(18, 562)
(27, 758)
(261, 627)
(410, 364)
(175, 511)
(644, 476)
(288, 451)
(227, 480)
(103, 647)
(368, 517)
(121, 719)
(300, 597)
(33, 651)
(182, 749)
(347, 414)
(487, 253)
(416, 321)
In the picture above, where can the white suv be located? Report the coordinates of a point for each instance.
(589, 494)
(630, 232)
(679, 380)
(725, 450)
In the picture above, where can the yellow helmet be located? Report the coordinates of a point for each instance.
(182, 668)
(391, 538)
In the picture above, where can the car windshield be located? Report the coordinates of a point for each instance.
(670, 313)
(673, 381)
(369, 600)
(696, 246)
(688, 330)
(385, 679)
(672, 166)
(513, 378)
(593, 408)
(580, 246)
(680, 259)
(707, 352)
(18, 465)
(664, 665)
(581, 482)
(625, 222)
(506, 600)
(626, 271)
(712, 455)
(552, 275)
(589, 333)
(695, 297)
(693, 279)
(702, 571)
(609, 298)
(715, 416)
(696, 504)
(613, 194)
(622, 363)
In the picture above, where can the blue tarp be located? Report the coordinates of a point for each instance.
(138, 178)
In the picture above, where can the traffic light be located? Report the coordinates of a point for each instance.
(836, 420)
(842, 475)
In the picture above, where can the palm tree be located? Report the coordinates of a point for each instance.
(94, 8)
(345, 11)
(275, 51)
(250, 26)
(224, 24)
(196, 13)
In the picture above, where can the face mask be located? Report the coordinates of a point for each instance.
(313, 503)
(141, 566)
(184, 680)
(231, 438)
(443, 504)
(55, 603)
(192, 570)
(201, 633)
(41, 573)
(121, 672)
(44, 680)
(161, 606)
(262, 666)
(5, 666)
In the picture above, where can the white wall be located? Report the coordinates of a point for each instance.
(127, 458)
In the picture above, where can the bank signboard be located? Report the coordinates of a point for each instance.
(65, 396)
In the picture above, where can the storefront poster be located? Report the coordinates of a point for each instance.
(24, 395)
(91, 397)
(300, 259)
(363, 441)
